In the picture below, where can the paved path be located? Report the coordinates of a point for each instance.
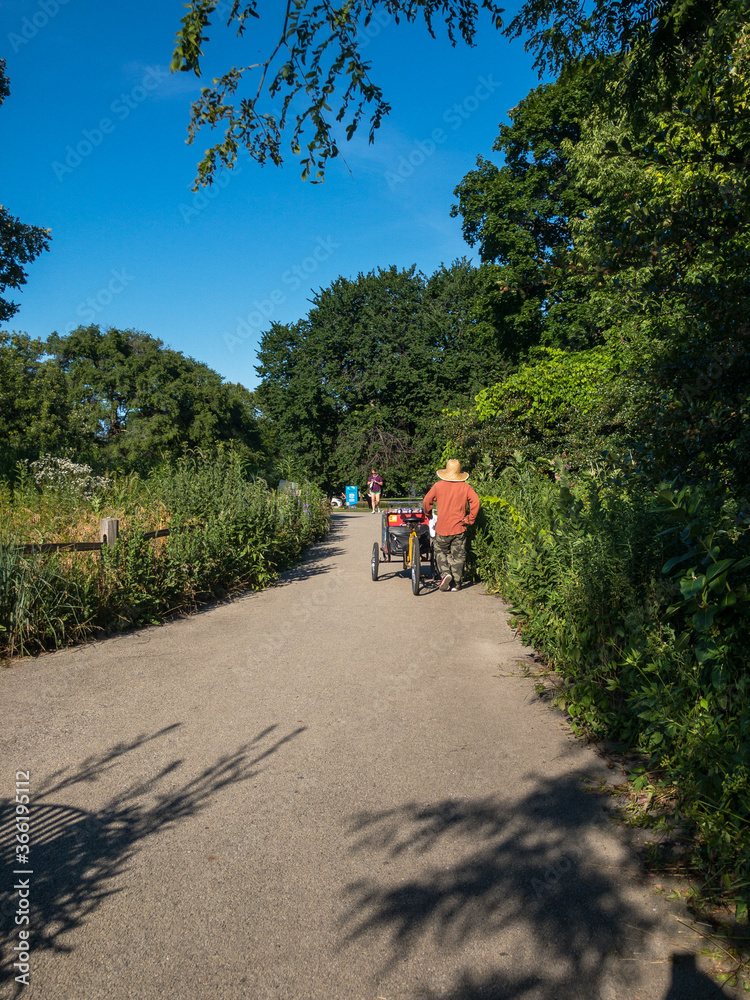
(331, 789)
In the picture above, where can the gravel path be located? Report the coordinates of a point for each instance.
(331, 789)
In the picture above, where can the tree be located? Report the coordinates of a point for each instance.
(316, 67)
(650, 49)
(652, 53)
(519, 216)
(35, 414)
(19, 244)
(299, 415)
(654, 253)
(363, 379)
(558, 402)
(139, 401)
(470, 349)
(665, 253)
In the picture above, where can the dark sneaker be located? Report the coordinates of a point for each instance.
(445, 583)
(457, 587)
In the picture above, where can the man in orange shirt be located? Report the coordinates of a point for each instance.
(457, 507)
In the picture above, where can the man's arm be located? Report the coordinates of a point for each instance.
(474, 506)
(429, 500)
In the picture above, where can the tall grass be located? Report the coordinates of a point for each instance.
(227, 533)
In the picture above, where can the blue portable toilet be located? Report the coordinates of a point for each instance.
(352, 496)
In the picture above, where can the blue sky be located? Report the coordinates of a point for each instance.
(93, 139)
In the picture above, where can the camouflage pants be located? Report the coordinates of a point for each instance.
(450, 555)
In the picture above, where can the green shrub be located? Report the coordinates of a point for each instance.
(227, 533)
(557, 401)
(637, 595)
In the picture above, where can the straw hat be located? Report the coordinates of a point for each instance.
(452, 472)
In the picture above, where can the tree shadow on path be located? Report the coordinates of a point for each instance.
(314, 562)
(78, 857)
(518, 878)
(688, 983)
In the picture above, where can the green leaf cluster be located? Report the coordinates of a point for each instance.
(556, 402)
(20, 244)
(362, 380)
(620, 217)
(117, 399)
(316, 69)
(519, 216)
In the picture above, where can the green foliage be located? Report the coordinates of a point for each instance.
(20, 244)
(362, 380)
(117, 399)
(552, 382)
(316, 71)
(665, 255)
(299, 416)
(711, 574)
(556, 402)
(621, 215)
(674, 50)
(35, 412)
(228, 533)
(44, 603)
(519, 216)
(649, 653)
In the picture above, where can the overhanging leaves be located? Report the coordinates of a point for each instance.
(316, 68)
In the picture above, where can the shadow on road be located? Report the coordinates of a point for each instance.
(518, 874)
(313, 562)
(77, 857)
(688, 983)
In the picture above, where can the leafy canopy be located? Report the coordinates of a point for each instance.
(316, 63)
(362, 380)
(627, 224)
(315, 66)
(113, 398)
(35, 411)
(556, 402)
(519, 217)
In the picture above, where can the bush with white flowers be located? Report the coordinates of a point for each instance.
(68, 477)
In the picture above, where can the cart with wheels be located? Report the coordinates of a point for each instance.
(405, 535)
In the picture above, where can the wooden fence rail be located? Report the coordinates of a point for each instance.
(109, 532)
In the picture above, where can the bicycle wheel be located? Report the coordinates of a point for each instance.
(375, 560)
(415, 566)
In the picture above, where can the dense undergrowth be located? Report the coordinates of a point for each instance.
(227, 533)
(636, 594)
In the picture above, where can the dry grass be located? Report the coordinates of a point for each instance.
(44, 524)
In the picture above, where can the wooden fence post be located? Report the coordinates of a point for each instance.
(109, 528)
